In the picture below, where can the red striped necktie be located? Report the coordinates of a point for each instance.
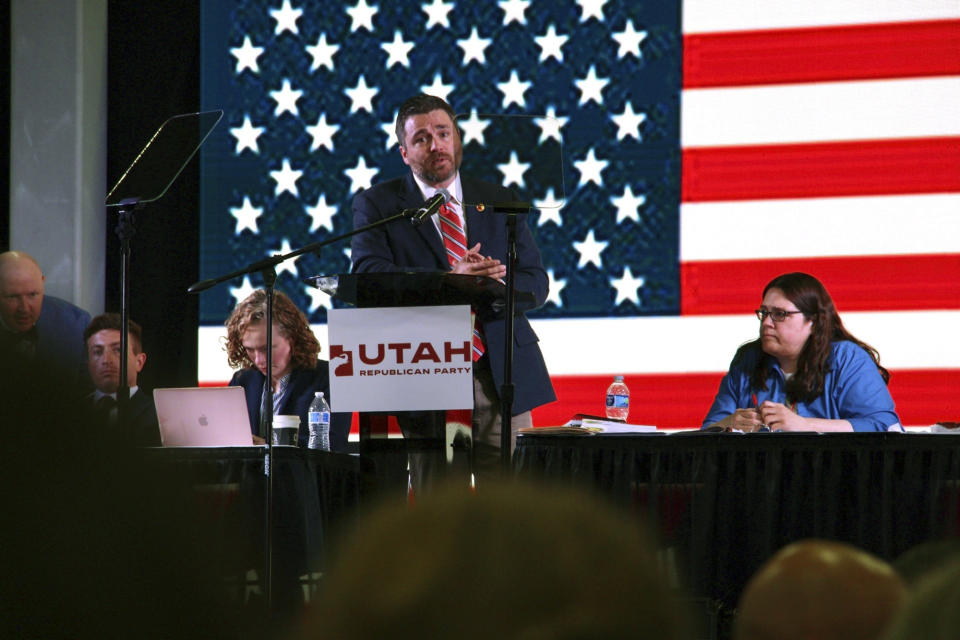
(455, 243)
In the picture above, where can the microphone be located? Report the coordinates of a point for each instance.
(429, 207)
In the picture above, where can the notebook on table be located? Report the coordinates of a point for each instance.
(203, 417)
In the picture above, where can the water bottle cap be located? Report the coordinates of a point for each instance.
(318, 394)
(618, 378)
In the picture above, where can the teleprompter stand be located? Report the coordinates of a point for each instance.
(147, 179)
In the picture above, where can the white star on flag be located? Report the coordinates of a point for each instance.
(322, 53)
(474, 47)
(591, 9)
(288, 265)
(473, 128)
(322, 133)
(591, 87)
(361, 96)
(361, 16)
(550, 44)
(246, 216)
(318, 298)
(556, 285)
(286, 17)
(628, 287)
(247, 135)
(629, 40)
(513, 90)
(550, 125)
(513, 170)
(591, 168)
(437, 13)
(549, 208)
(286, 99)
(437, 89)
(247, 55)
(398, 50)
(514, 10)
(590, 250)
(390, 128)
(361, 176)
(628, 123)
(242, 292)
(321, 214)
(628, 205)
(286, 179)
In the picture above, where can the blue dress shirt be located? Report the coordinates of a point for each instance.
(853, 390)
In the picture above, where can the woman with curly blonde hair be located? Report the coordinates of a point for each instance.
(297, 372)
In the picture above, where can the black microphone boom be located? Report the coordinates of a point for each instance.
(429, 207)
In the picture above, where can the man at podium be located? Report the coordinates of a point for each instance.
(461, 238)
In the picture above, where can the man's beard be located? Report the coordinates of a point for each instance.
(432, 177)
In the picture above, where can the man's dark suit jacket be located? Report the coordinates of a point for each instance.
(400, 246)
(302, 386)
(142, 428)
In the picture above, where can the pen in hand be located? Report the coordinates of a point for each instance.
(755, 405)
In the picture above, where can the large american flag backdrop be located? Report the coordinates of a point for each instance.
(707, 147)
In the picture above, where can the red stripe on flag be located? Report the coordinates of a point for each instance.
(868, 167)
(821, 54)
(677, 401)
(896, 283)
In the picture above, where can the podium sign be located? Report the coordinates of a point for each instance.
(401, 358)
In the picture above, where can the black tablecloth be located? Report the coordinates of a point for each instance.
(314, 493)
(726, 502)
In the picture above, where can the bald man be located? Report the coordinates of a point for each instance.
(820, 590)
(40, 333)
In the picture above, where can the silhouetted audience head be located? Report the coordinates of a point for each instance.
(932, 611)
(819, 590)
(512, 561)
(915, 563)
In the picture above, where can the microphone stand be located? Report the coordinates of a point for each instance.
(511, 210)
(267, 268)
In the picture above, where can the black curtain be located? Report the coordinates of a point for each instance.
(153, 72)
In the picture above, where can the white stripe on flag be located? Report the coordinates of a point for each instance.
(813, 112)
(680, 344)
(855, 226)
(700, 16)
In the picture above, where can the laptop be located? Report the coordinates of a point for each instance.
(203, 417)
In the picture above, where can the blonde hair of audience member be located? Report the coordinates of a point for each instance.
(819, 590)
(932, 611)
(288, 321)
(512, 561)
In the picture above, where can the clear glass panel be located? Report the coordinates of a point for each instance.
(521, 152)
(163, 158)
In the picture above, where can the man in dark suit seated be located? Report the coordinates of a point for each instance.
(460, 238)
(102, 337)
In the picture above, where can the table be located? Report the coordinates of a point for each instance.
(726, 502)
(315, 494)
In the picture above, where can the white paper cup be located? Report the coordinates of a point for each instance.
(285, 430)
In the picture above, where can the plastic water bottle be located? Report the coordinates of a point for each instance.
(618, 399)
(319, 421)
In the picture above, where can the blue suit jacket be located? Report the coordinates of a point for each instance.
(60, 343)
(400, 246)
(303, 384)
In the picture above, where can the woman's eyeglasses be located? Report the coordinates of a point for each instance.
(778, 315)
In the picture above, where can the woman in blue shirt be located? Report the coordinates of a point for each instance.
(805, 372)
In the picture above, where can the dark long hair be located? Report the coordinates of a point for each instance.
(811, 297)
